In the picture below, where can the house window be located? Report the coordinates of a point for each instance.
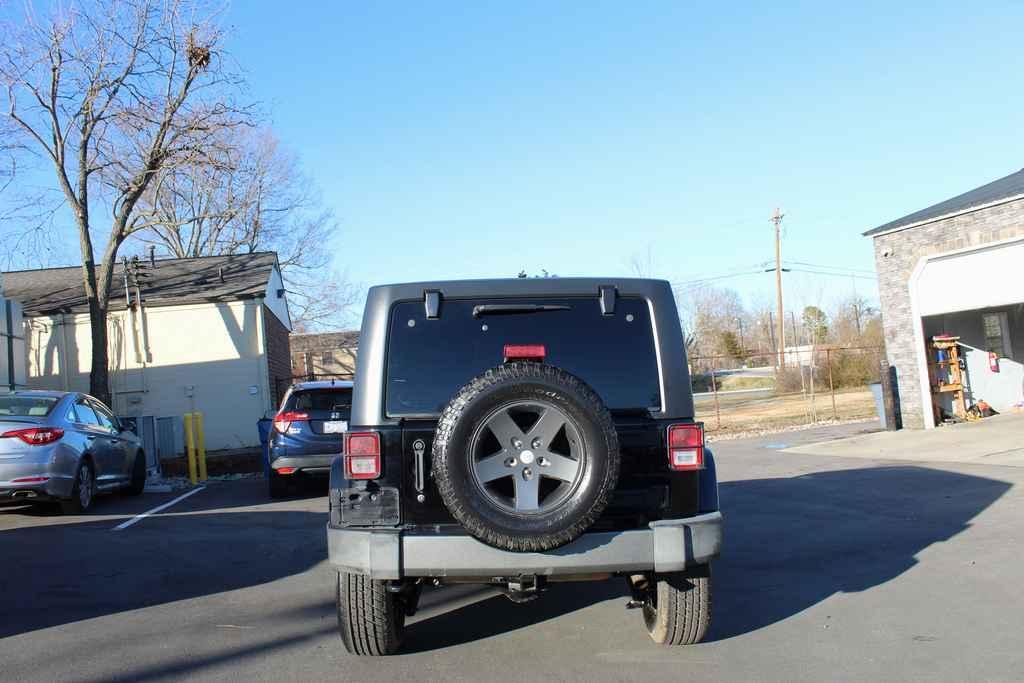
(327, 358)
(997, 334)
(298, 362)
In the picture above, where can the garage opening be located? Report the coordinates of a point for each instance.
(976, 294)
(992, 368)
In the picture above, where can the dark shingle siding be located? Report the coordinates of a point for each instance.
(172, 282)
(1004, 188)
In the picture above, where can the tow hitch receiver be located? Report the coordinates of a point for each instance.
(524, 588)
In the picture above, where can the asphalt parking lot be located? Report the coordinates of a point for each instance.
(833, 569)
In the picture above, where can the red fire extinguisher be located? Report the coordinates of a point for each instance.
(993, 362)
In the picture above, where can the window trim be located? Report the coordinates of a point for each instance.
(78, 419)
(1004, 332)
(102, 411)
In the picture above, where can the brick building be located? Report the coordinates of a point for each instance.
(327, 355)
(956, 268)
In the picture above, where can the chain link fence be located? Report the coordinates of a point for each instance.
(805, 385)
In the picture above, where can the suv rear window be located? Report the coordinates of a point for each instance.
(321, 401)
(429, 360)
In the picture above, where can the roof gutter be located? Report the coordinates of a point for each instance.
(945, 216)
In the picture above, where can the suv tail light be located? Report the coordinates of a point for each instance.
(686, 447)
(35, 436)
(362, 455)
(525, 352)
(282, 421)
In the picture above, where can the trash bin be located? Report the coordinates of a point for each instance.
(876, 393)
(264, 424)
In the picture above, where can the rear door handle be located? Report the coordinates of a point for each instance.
(419, 449)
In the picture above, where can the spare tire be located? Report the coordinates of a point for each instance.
(526, 457)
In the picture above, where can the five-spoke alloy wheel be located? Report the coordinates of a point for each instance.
(526, 457)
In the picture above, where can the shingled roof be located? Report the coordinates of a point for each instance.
(170, 282)
(1004, 188)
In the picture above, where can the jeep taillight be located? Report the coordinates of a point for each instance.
(362, 455)
(686, 447)
(282, 421)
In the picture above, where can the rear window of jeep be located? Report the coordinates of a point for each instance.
(429, 360)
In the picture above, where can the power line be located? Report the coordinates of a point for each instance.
(842, 268)
(834, 274)
(687, 285)
(735, 272)
(714, 278)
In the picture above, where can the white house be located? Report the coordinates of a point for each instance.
(205, 334)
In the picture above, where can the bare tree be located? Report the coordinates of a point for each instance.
(251, 195)
(713, 316)
(8, 154)
(111, 93)
(643, 264)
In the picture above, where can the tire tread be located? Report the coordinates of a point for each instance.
(370, 619)
(684, 610)
(452, 413)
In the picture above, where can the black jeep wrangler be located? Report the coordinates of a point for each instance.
(516, 432)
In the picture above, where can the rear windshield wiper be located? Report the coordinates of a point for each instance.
(506, 309)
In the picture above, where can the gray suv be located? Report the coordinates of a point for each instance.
(512, 432)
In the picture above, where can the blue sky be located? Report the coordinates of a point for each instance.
(474, 139)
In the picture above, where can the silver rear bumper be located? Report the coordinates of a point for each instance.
(665, 546)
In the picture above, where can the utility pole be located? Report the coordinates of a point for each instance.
(777, 220)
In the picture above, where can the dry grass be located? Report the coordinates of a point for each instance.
(751, 414)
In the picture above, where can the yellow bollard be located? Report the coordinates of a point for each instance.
(190, 447)
(201, 445)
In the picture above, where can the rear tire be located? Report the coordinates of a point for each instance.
(371, 619)
(138, 483)
(83, 491)
(677, 609)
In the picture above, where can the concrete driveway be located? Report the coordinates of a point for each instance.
(997, 440)
(835, 568)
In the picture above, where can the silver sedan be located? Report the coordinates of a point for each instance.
(64, 447)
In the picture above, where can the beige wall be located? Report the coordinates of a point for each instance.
(169, 361)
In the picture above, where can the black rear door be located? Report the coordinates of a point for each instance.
(429, 360)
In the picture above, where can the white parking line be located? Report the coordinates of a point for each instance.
(158, 508)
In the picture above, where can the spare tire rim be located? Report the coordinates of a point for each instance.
(539, 458)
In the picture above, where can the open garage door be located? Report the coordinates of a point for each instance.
(978, 295)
